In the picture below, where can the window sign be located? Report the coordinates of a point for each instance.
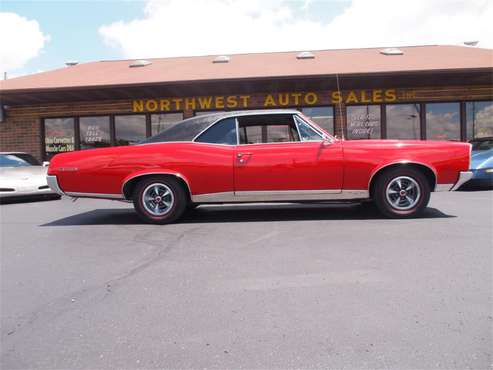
(443, 121)
(403, 121)
(94, 132)
(363, 122)
(59, 135)
(479, 119)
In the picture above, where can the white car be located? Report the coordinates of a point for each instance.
(21, 175)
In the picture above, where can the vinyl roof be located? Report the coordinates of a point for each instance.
(255, 66)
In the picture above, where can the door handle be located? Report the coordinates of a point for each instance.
(239, 155)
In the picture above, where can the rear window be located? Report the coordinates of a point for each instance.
(185, 130)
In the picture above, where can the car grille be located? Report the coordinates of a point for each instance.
(6, 189)
(43, 187)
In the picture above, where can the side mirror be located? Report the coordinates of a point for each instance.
(46, 163)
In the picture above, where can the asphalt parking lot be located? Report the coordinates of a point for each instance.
(85, 285)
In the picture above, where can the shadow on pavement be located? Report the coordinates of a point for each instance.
(250, 213)
(29, 199)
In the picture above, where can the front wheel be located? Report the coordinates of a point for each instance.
(402, 193)
(159, 200)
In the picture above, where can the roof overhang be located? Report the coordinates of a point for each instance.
(456, 77)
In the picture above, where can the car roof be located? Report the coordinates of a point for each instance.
(6, 153)
(250, 112)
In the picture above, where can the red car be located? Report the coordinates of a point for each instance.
(261, 156)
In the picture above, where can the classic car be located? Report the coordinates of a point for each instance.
(22, 176)
(481, 163)
(261, 156)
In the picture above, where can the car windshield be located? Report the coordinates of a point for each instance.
(17, 160)
(482, 144)
(185, 130)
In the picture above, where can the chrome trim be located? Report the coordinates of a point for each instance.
(405, 161)
(94, 195)
(226, 196)
(237, 131)
(293, 117)
(464, 176)
(443, 187)
(180, 176)
(280, 195)
(52, 182)
(325, 136)
(236, 114)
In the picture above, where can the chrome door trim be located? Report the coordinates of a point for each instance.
(280, 195)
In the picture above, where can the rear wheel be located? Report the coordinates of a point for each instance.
(401, 193)
(159, 200)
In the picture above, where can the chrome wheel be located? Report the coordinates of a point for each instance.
(403, 193)
(157, 199)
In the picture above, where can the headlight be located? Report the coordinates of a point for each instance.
(488, 170)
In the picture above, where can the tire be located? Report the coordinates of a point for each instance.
(171, 199)
(405, 201)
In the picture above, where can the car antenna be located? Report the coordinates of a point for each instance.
(340, 104)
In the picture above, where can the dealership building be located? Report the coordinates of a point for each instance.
(419, 92)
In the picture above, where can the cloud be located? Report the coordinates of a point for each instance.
(200, 27)
(20, 40)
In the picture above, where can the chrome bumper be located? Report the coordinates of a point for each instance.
(53, 184)
(464, 177)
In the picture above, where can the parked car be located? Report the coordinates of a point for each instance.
(261, 156)
(21, 176)
(481, 163)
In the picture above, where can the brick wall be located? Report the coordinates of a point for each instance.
(21, 134)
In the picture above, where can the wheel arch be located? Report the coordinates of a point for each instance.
(428, 171)
(132, 180)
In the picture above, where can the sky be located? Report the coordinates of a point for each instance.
(37, 36)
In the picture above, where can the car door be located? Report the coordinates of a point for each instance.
(274, 158)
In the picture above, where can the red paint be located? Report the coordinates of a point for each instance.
(210, 168)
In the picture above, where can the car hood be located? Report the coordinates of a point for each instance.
(9, 175)
(482, 159)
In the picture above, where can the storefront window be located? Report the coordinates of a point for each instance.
(160, 122)
(479, 119)
(94, 132)
(322, 116)
(130, 129)
(59, 135)
(363, 122)
(443, 121)
(403, 121)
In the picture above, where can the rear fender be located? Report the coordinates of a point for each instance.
(131, 179)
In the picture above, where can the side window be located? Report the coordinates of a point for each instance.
(272, 128)
(307, 133)
(223, 132)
